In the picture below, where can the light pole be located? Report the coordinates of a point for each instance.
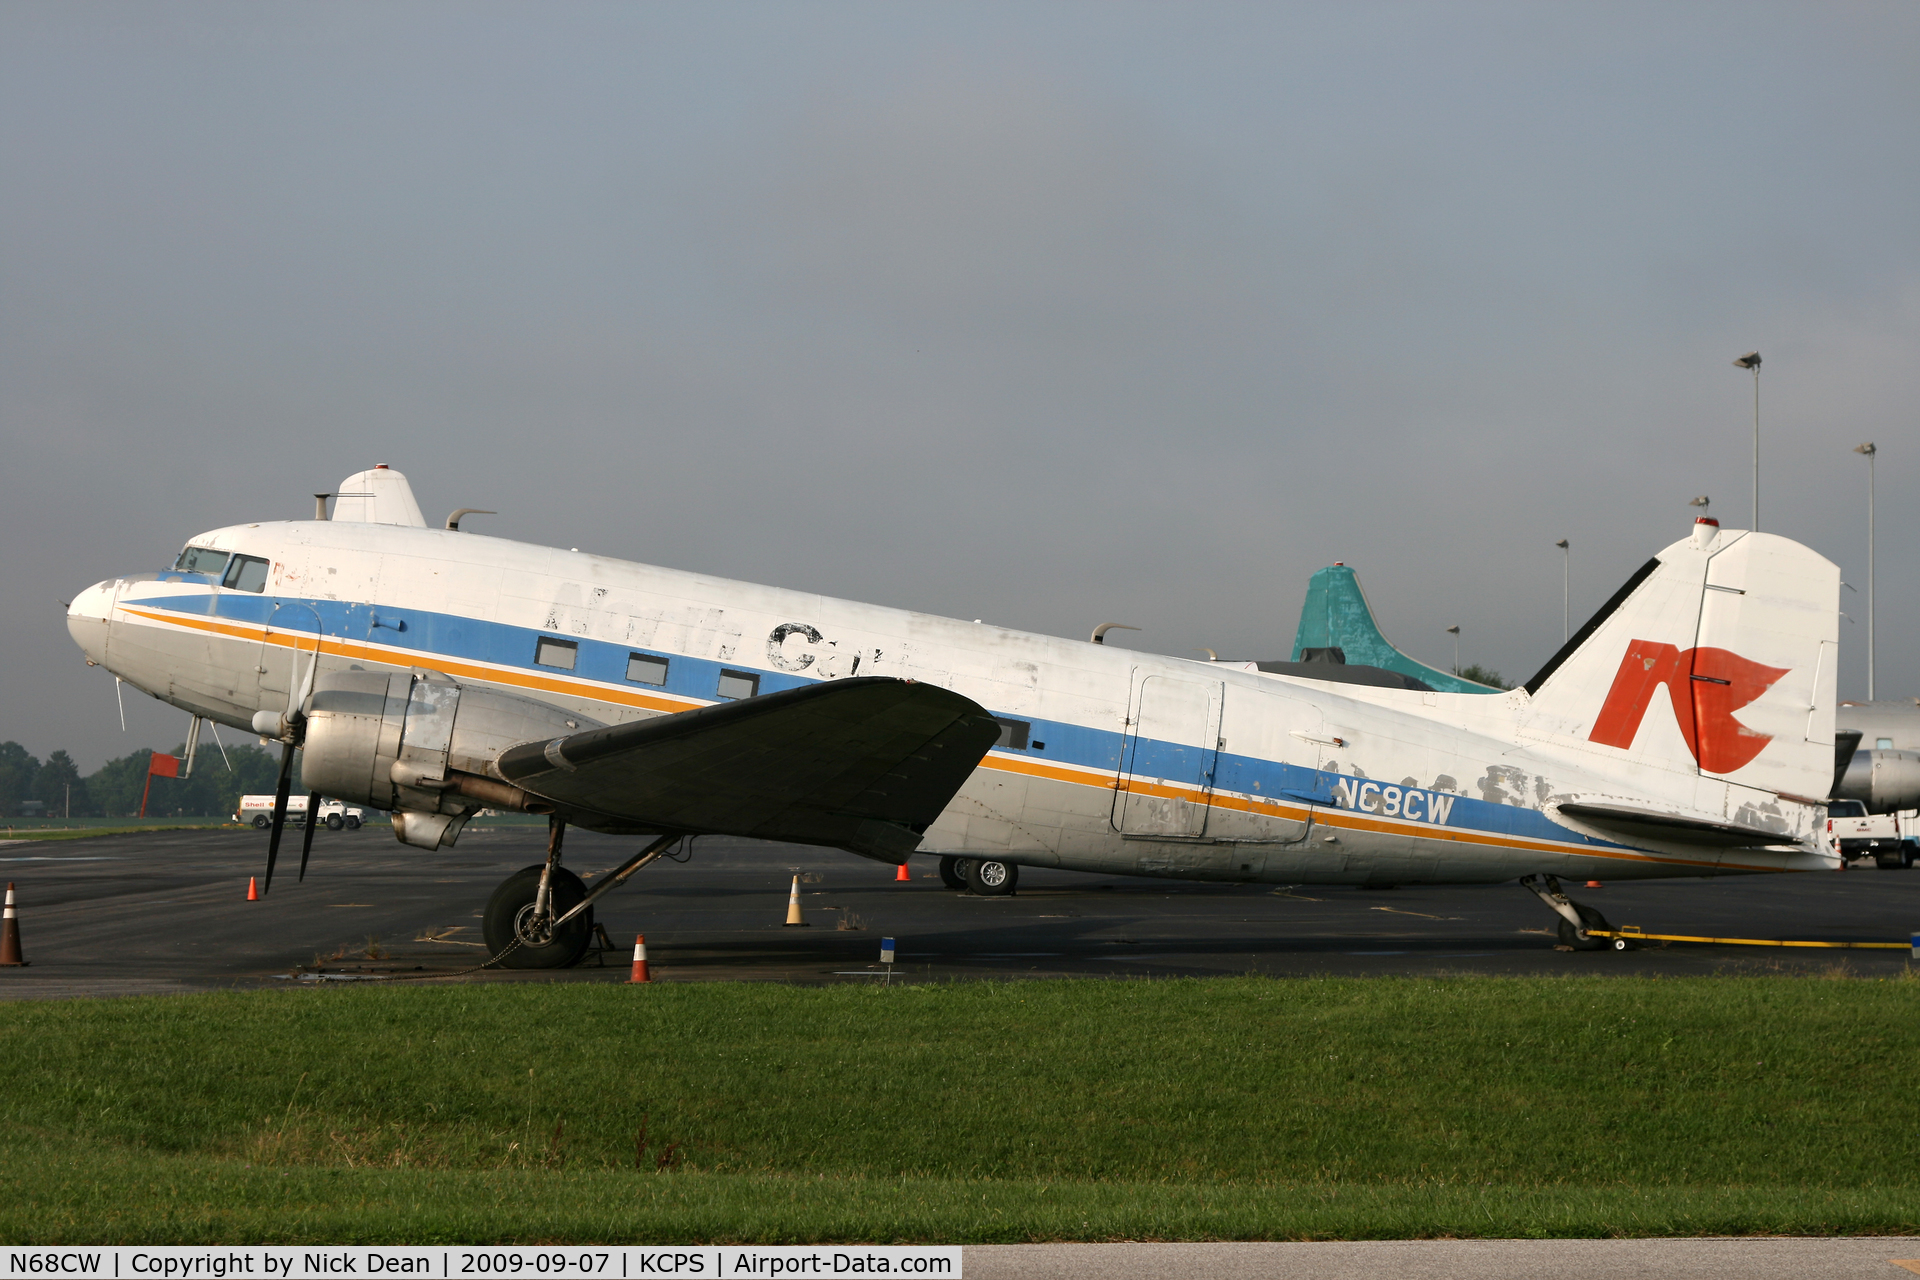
(1751, 360)
(1869, 449)
(1454, 631)
(1566, 591)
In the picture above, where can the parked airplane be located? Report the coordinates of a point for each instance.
(1686, 730)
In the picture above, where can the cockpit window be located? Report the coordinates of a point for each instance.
(246, 573)
(201, 560)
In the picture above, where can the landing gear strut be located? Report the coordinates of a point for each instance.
(541, 917)
(1575, 918)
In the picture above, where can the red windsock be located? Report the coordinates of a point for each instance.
(901, 874)
(639, 960)
(10, 934)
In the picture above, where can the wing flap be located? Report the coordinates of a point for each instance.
(864, 764)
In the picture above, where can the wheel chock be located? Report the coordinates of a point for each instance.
(10, 935)
(793, 907)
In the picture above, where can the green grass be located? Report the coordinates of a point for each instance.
(1246, 1108)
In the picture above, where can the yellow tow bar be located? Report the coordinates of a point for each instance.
(1628, 934)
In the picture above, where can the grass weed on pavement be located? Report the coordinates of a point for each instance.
(1244, 1108)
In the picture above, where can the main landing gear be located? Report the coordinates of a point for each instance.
(988, 877)
(541, 917)
(1576, 918)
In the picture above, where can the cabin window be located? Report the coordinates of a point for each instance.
(1013, 733)
(644, 668)
(246, 573)
(201, 560)
(551, 652)
(1883, 744)
(738, 684)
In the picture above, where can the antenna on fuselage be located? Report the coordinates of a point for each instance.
(320, 505)
(453, 521)
(1100, 632)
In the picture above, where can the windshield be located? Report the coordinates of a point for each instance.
(201, 560)
(1846, 809)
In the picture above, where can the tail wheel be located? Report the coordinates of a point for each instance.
(992, 878)
(953, 872)
(509, 915)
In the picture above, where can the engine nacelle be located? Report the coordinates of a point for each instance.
(419, 743)
(1885, 781)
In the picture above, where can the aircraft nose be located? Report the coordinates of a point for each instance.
(87, 620)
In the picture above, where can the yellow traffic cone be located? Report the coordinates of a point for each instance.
(793, 907)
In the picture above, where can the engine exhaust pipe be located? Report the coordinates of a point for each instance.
(496, 795)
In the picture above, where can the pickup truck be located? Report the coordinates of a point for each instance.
(258, 810)
(1891, 839)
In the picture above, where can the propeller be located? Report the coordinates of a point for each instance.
(281, 789)
(306, 840)
(295, 721)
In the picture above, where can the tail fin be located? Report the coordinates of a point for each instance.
(1335, 615)
(1717, 658)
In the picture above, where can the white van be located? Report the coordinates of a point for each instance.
(258, 810)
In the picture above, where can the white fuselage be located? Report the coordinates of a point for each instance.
(1112, 761)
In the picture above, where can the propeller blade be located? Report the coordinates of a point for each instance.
(306, 840)
(279, 815)
(297, 696)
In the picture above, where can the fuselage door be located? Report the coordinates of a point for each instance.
(1167, 762)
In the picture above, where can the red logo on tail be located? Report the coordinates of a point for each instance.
(1706, 687)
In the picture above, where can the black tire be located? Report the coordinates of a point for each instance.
(1886, 861)
(353, 823)
(1621, 944)
(261, 822)
(513, 901)
(953, 872)
(1589, 919)
(335, 822)
(992, 878)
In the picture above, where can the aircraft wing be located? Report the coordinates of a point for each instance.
(863, 764)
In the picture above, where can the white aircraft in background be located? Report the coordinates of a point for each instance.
(1687, 730)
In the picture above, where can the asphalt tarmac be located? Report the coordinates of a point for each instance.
(167, 912)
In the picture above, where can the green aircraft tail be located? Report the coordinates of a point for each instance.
(1336, 616)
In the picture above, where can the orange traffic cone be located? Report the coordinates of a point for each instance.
(10, 934)
(639, 960)
(793, 907)
(253, 889)
(901, 874)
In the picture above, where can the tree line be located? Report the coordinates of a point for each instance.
(113, 790)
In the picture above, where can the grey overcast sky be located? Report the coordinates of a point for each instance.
(1048, 314)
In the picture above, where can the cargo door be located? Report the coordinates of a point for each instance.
(1167, 761)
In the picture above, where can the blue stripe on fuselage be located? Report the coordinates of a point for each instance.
(429, 635)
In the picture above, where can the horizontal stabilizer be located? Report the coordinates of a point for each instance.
(862, 764)
(1648, 824)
